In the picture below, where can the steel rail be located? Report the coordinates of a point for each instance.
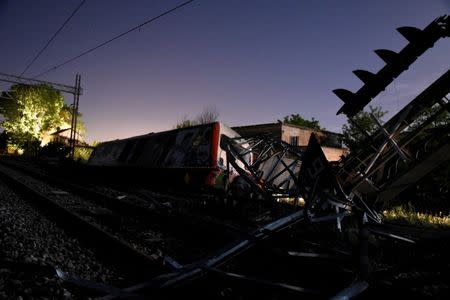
(158, 215)
(108, 247)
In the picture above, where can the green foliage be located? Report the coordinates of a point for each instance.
(408, 215)
(29, 111)
(82, 154)
(95, 143)
(208, 115)
(443, 119)
(353, 134)
(66, 115)
(185, 123)
(32, 111)
(296, 119)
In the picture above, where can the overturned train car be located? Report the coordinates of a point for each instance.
(189, 157)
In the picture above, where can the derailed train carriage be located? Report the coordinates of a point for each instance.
(181, 157)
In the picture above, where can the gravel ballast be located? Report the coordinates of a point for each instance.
(29, 240)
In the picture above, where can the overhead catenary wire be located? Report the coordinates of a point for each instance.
(137, 27)
(53, 37)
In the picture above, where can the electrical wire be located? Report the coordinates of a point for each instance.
(53, 37)
(115, 38)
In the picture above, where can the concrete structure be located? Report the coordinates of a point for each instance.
(331, 142)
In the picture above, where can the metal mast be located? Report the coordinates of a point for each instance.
(73, 127)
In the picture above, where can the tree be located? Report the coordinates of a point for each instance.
(208, 115)
(297, 119)
(434, 185)
(443, 119)
(353, 134)
(185, 122)
(66, 115)
(32, 111)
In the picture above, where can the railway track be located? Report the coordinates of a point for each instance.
(290, 259)
(94, 234)
(91, 231)
(32, 247)
(197, 220)
(137, 200)
(146, 209)
(105, 224)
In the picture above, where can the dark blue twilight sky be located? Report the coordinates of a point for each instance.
(255, 60)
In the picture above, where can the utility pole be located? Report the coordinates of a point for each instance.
(76, 91)
(73, 127)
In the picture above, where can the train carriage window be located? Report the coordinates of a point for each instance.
(179, 145)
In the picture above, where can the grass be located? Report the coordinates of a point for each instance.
(407, 214)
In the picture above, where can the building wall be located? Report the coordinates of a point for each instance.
(334, 154)
(303, 134)
(331, 146)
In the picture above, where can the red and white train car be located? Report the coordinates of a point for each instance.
(191, 156)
